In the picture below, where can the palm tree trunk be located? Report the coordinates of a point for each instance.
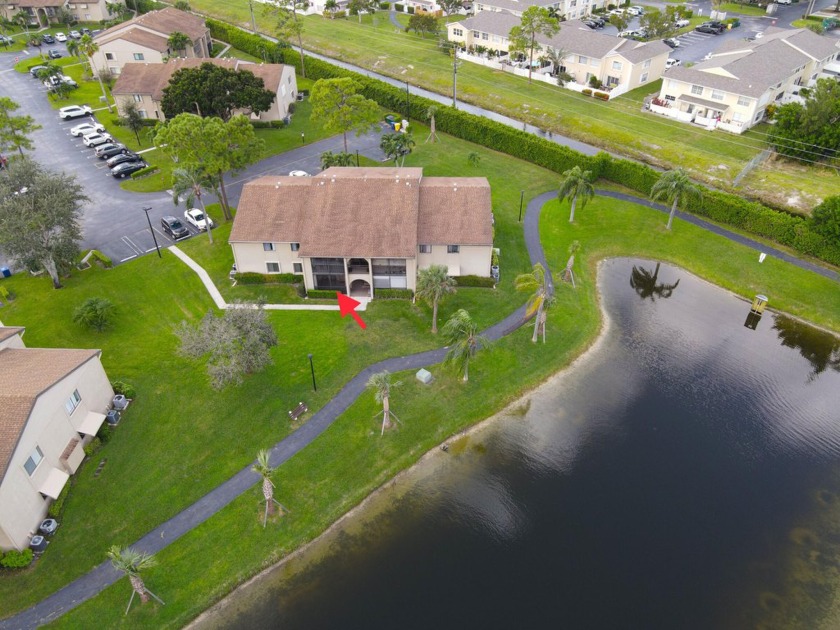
(386, 415)
(268, 493)
(537, 323)
(302, 64)
(206, 218)
(139, 587)
(223, 198)
(434, 317)
(467, 371)
(572, 215)
(673, 212)
(102, 86)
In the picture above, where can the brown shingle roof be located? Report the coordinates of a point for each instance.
(364, 212)
(10, 331)
(39, 3)
(164, 21)
(27, 373)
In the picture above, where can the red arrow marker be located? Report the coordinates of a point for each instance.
(347, 306)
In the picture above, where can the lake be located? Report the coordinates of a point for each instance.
(684, 474)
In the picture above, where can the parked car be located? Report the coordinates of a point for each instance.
(616, 12)
(53, 81)
(48, 39)
(198, 219)
(127, 168)
(174, 227)
(60, 37)
(784, 2)
(75, 34)
(105, 151)
(591, 24)
(671, 42)
(96, 138)
(74, 111)
(34, 70)
(715, 28)
(86, 129)
(52, 53)
(6, 40)
(122, 158)
(681, 23)
(670, 63)
(601, 22)
(299, 174)
(636, 10)
(85, 31)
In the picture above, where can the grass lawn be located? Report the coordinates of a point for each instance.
(716, 158)
(180, 438)
(741, 9)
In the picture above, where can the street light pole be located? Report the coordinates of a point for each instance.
(407, 102)
(455, 78)
(312, 369)
(253, 21)
(154, 238)
(521, 199)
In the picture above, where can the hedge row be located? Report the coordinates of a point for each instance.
(475, 281)
(395, 294)
(144, 171)
(318, 294)
(251, 277)
(790, 230)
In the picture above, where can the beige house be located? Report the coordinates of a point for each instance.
(569, 9)
(145, 38)
(732, 89)
(143, 84)
(620, 64)
(45, 12)
(356, 230)
(52, 403)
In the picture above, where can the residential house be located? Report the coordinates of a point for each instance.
(619, 64)
(732, 89)
(145, 38)
(45, 12)
(356, 230)
(52, 403)
(143, 84)
(569, 9)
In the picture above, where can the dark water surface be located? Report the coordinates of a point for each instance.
(682, 476)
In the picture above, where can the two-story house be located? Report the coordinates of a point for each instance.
(146, 38)
(143, 84)
(44, 12)
(356, 230)
(732, 89)
(52, 402)
(569, 9)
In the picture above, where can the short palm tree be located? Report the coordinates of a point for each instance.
(434, 284)
(397, 146)
(190, 182)
(673, 186)
(331, 7)
(461, 334)
(538, 284)
(576, 184)
(381, 385)
(131, 562)
(179, 41)
(264, 470)
(430, 114)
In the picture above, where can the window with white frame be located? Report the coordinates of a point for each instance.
(142, 113)
(616, 65)
(743, 101)
(485, 36)
(425, 249)
(295, 247)
(138, 98)
(453, 249)
(646, 64)
(643, 78)
(594, 61)
(717, 95)
(583, 60)
(139, 57)
(268, 247)
(109, 56)
(738, 117)
(697, 89)
(476, 34)
(73, 402)
(297, 267)
(458, 32)
(272, 267)
(32, 462)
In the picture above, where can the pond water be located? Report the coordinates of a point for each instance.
(684, 474)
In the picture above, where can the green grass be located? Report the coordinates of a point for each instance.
(741, 9)
(193, 438)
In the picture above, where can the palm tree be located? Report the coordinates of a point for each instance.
(434, 284)
(190, 182)
(331, 6)
(538, 284)
(381, 385)
(462, 337)
(568, 272)
(89, 47)
(673, 186)
(556, 56)
(264, 470)
(645, 284)
(576, 183)
(131, 562)
(397, 146)
(178, 41)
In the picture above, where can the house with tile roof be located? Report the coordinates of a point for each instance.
(356, 230)
(145, 38)
(45, 12)
(732, 89)
(143, 84)
(619, 64)
(52, 402)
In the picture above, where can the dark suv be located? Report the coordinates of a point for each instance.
(174, 227)
(715, 28)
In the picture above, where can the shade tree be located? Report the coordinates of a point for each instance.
(535, 22)
(15, 130)
(339, 108)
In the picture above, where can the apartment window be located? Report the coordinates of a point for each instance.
(268, 247)
(458, 32)
(616, 65)
(738, 117)
(717, 95)
(646, 64)
(583, 60)
(389, 273)
(115, 70)
(453, 249)
(329, 274)
(73, 401)
(32, 463)
(138, 98)
(290, 79)
(298, 267)
(425, 249)
(759, 116)
(142, 113)
(109, 56)
(743, 101)
(295, 247)
(643, 78)
(594, 61)
(485, 36)
(139, 57)
(697, 89)
(272, 267)
(476, 34)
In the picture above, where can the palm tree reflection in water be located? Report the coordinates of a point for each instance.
(645, 284)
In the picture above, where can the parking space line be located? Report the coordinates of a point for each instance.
(129, 258)
(132, 245)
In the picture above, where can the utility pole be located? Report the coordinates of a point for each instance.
(455, 78)
(253, 21)
(154, 238)
(407, 102)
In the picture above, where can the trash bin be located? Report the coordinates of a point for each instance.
(390, 120)
(5, 272)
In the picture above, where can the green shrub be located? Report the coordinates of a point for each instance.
(411, 10)
(94, 313)
(384, 5)
(825, 219)
(126, 389)
(144, 171)
(394, 294)
(96, 255)
(475, 281)
(105, 432)
(17, 559)
(94, 446)
(317, 294)
(586, 92)
(56, 506)
(251, 277)
(602, 95)
(399, 7)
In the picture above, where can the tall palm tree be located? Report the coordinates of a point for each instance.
(89, 47)
(381, 385)
(461, 334)
(673, 186)
(190, 182)
(179, 41)
(646, 284)
(264, 470)
(576, 184)
(131, 562)
(538, 284)
(434, 284)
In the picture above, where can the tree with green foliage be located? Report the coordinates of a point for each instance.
(15, 130)
(538, 284)
(423, 24)
(328, 159)
(131, 563)
(215, 91)
(117, 9)
(87, 47)
(40, 214)
(95, 313)
(212, 145)
(450, 6)
(810, 131)
(474, 159)
(397, 146)
(674, 186)
(381, 385)
(189, 183)
(21, 18)
(178, 42)
(577, 184)
(433, 285)
(464, 341)
(825, 218)
(264, 469)
(535, 22)
(338, 108)
(620, 21)
(656, 23)
(133, 119)
(288, 25)
(183, 5)
(331, 8)
(357, 7)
